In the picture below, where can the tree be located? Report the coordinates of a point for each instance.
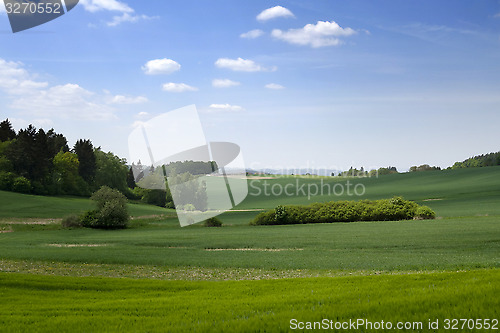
(424, 167)
(22, 152)
(56, 143)
(29, 155)
(42, 158)
(66, 174)
(86, 156)
(111, 212)
(490, 159)
(130, 179)
(111, 171)
(5, 163)
(6, 131)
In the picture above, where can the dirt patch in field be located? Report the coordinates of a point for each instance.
(259, 177)
(432, 199)
(248, 249)
(31, 221)
(77, 245)
(150, 217)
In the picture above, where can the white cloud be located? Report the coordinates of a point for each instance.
(127, 13)
(143, 114)
(120, 99)
(39, 100)
(224, 83)
(274, 12)
(161, 66)
(126, 17)
(67, 101)
(321, 34)
(178, 87)
(18, 123)
(225, 107)
(15, 80)
(241, 65)
(111, 5)
(274, 86)
(252, 34)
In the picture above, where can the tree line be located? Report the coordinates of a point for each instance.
(478, 161)
(33, 161)
(39, 162)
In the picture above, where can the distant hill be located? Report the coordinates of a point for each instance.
(490, 159)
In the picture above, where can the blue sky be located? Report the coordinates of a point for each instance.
(307, 84)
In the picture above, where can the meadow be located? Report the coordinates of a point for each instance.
(159, 276)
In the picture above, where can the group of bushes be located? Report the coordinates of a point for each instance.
(9, 181)
(111, 212)
(394, 209)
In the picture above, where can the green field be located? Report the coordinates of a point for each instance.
(34, 303)
(16, 205)
(391, 271)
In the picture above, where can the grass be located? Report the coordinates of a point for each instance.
(105, 304)
(462, 192)
(16, 205)
(408, 245)
(391, 271)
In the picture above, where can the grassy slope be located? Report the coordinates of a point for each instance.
(105, 305)
(464, 239)
(411, 245)
(464, 192)
(467, 242)
(16, 205)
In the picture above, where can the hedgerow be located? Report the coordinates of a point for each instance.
(394, 209)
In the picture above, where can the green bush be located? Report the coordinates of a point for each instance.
(155, 197)
(88, 219)
(343, 211)
(264, 218)
(189, 208)
(111, 212)
(113, 215)
(6, 180)
(280, 214)
(213, 222)
(38, 188)
(425, 213)
(71, 221)
(21, 185)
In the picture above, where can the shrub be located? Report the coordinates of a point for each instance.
(189, 208)
(21, 185)
(425, 213)
(111, 212)
(88, 219)
(213, 222)
(6, 180)
(264, 218)
(71, 221)
(280, 214)
(344, 211)
(155, 197)
(113, 215)
(106, 194)
(38, 188)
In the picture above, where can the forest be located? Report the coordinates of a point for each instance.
(34, 161)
